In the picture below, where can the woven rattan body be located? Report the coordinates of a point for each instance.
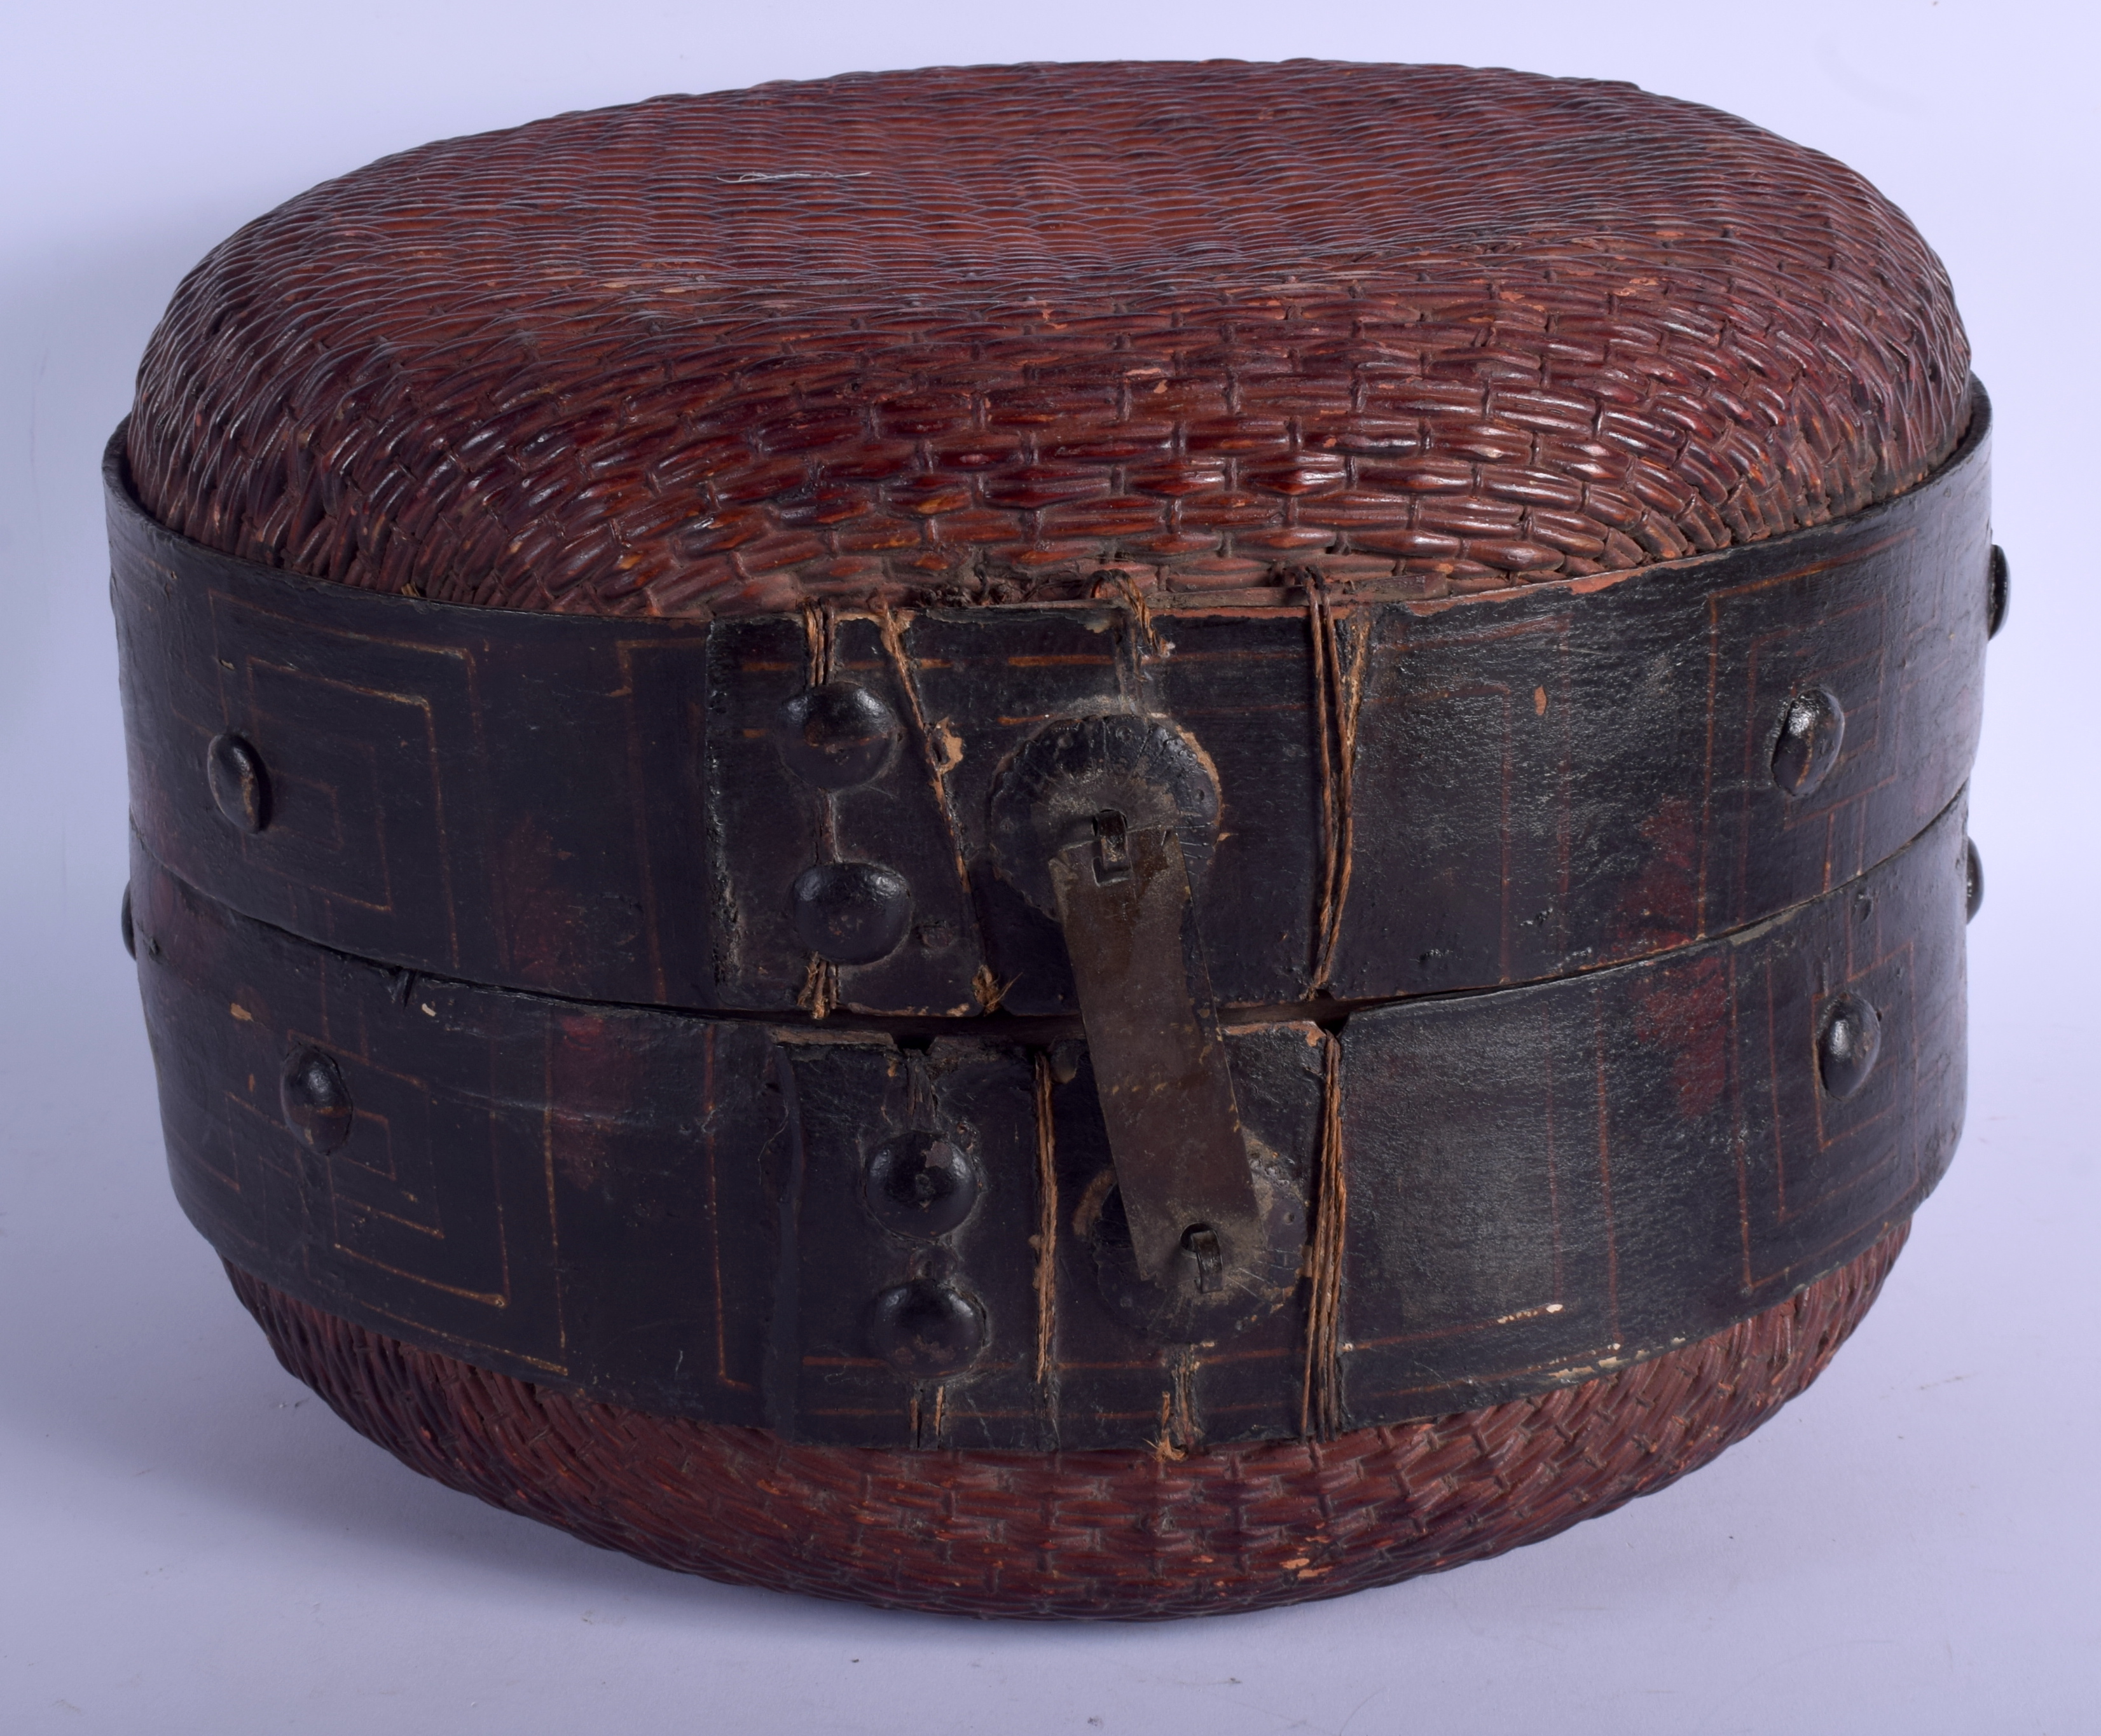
(1430, 619)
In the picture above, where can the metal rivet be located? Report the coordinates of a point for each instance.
(1812, 728)
(852, 913)
(125, 927)
(837, 735)
(925, 1329)
(239, 784)
(1999, 592)
(921, 1185)
(1973, 877)
(1847, 1045)
(316, 1102)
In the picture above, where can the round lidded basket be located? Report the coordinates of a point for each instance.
(1301, 421)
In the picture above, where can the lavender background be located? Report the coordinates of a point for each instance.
(188, 1542)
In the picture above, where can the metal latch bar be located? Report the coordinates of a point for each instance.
(1160, 1065)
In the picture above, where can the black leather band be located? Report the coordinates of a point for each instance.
(684, 1213)
(1524, 783)
(1588, 965)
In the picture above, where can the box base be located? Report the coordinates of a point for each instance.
(1101, 1535)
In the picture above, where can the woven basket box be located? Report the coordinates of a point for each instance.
(1060, 840)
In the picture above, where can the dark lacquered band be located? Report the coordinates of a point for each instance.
(725, 1217)
(1597, 961)
(1414, 796)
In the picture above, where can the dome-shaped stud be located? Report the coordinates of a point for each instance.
(1812, 729)
(315, 1102)
(925, 1330)
(125, 925)
(836, 735)
(239, 784)
(1999, 580)
(921, 1185)
(1973, 879)
(851, 913)
(1847, 1045)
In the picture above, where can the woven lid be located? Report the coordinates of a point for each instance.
(973, 335)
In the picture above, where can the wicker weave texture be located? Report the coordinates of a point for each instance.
(1121, 1535)
(972, 334)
